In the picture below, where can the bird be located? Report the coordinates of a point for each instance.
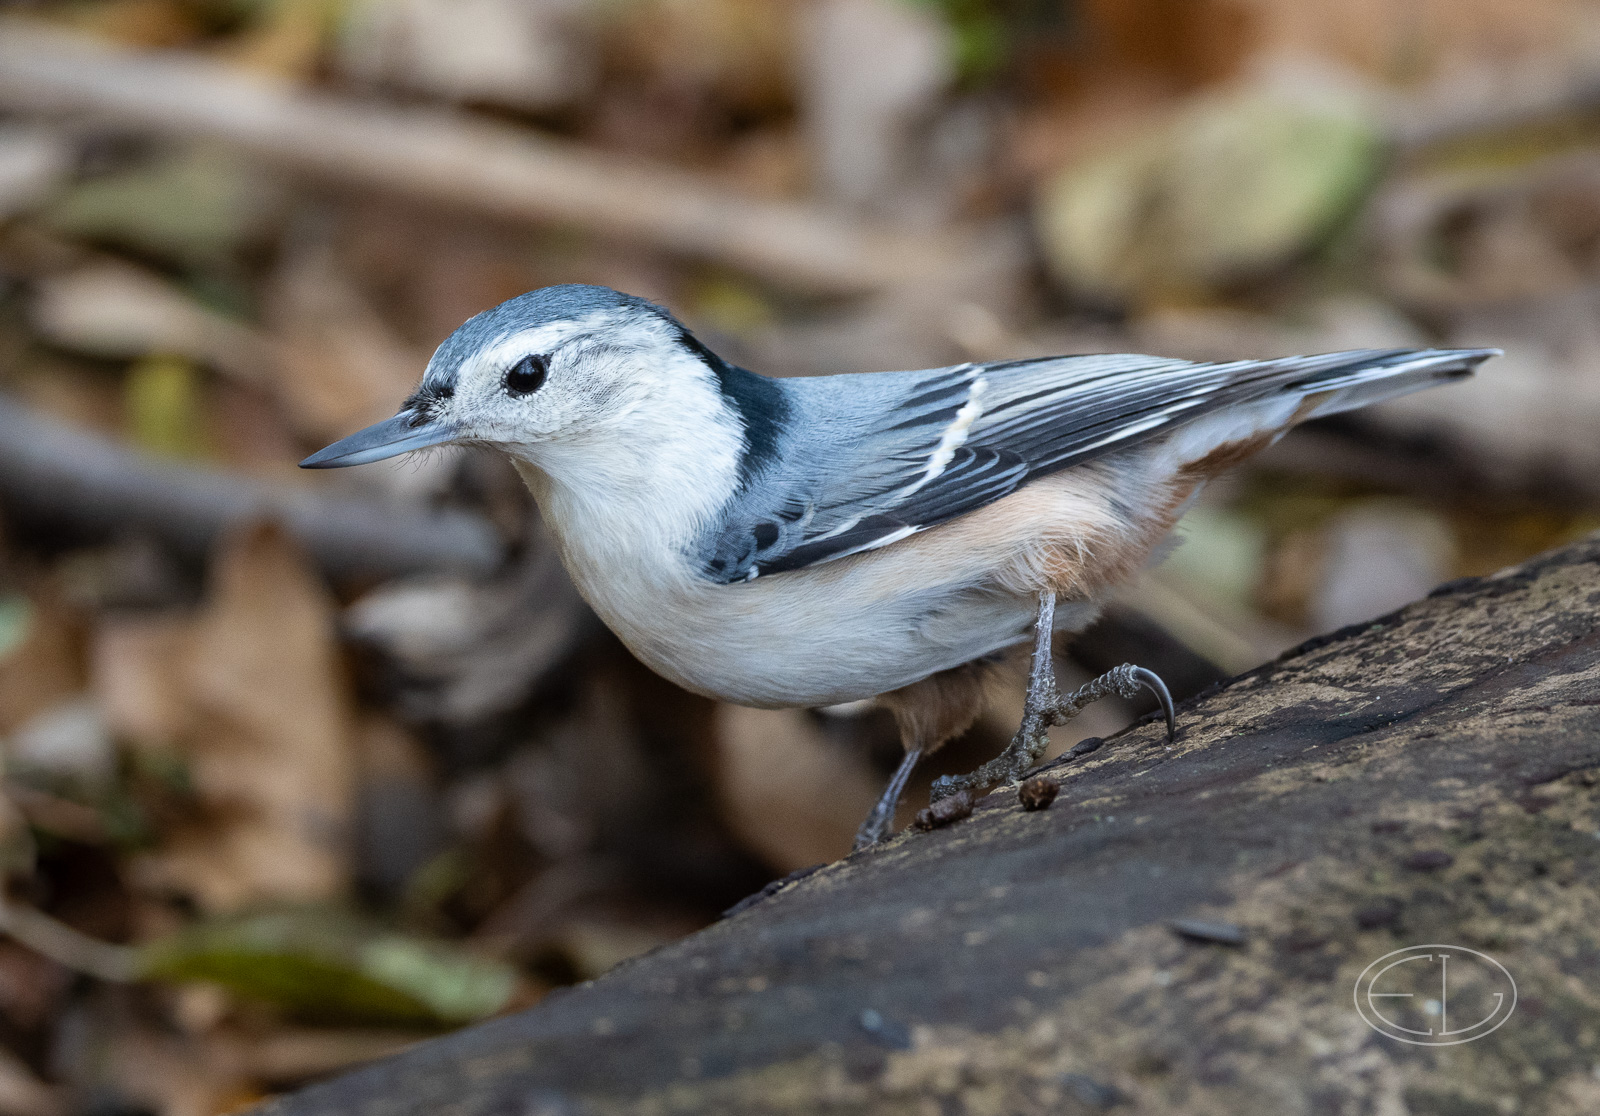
(812, 541)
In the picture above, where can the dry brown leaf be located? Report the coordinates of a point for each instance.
(289, 40)
(34, 162)
(136, 665)
(598, 941)
(47, 667)
(31, 987)
(23, 1094)
(290, 1055)
(737, 51)
(174, 1075)
(246, 430)
(400, 820)
(523, 54)
(144, 23)
(788, 794)
(111, 309)
(1204, 40)
(1430, 37)
(1184, 44)
(16, 842)
(270, 749)
(342, 366)
(70, 392)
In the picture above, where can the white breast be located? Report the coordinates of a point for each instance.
(852, 628)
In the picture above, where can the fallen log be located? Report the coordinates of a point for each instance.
(1183, 930)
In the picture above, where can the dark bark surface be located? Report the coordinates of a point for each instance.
(1429, 778)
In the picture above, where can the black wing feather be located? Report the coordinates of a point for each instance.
(876, 482)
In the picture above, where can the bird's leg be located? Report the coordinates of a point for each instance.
(1033, 736)
(1045, 706)
(880, 823)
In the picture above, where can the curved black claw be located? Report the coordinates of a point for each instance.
(1151, 681)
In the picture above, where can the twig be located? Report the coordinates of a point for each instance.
(68, 947)
(53, 471)
(512, 927)
(111, 309)
(444, 157)
(60, 816)
(1491, 100)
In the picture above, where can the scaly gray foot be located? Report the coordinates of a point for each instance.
(1045, 706)
(880, 822)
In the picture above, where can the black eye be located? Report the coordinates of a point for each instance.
(527, 375)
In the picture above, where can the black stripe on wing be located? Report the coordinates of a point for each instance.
(1092, 416)
(936, 401)
(973, 478)
(867, 533)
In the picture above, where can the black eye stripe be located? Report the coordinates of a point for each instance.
(527, 375)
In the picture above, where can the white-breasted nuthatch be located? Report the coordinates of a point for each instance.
(812, 541)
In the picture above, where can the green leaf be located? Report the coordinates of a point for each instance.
(16, 620)
(1231, 189)
(329, 967)
(162, 394)
(1221, 552)
(196, 207)
(983, 33)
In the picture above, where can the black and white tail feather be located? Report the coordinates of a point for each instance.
(870, 460)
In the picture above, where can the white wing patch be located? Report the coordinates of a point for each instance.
(955, 435)
(953, 438)
(893, 537)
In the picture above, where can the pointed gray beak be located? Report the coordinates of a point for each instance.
(388, 438)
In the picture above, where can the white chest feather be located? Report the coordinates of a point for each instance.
(840, 631)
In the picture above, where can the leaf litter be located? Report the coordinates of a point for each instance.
(296, 814)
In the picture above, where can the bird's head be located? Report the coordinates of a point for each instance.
(559, 365)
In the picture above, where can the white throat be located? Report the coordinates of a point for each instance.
(629, 496)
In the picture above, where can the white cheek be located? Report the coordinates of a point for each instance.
(649, 469)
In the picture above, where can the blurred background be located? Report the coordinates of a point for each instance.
(301, 768)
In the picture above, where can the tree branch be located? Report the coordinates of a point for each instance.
(443, 157)
(53, 471)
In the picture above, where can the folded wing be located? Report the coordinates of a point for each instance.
(884, 456)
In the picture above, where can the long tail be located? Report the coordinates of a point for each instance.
(1259, 401)
(1359, 378)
